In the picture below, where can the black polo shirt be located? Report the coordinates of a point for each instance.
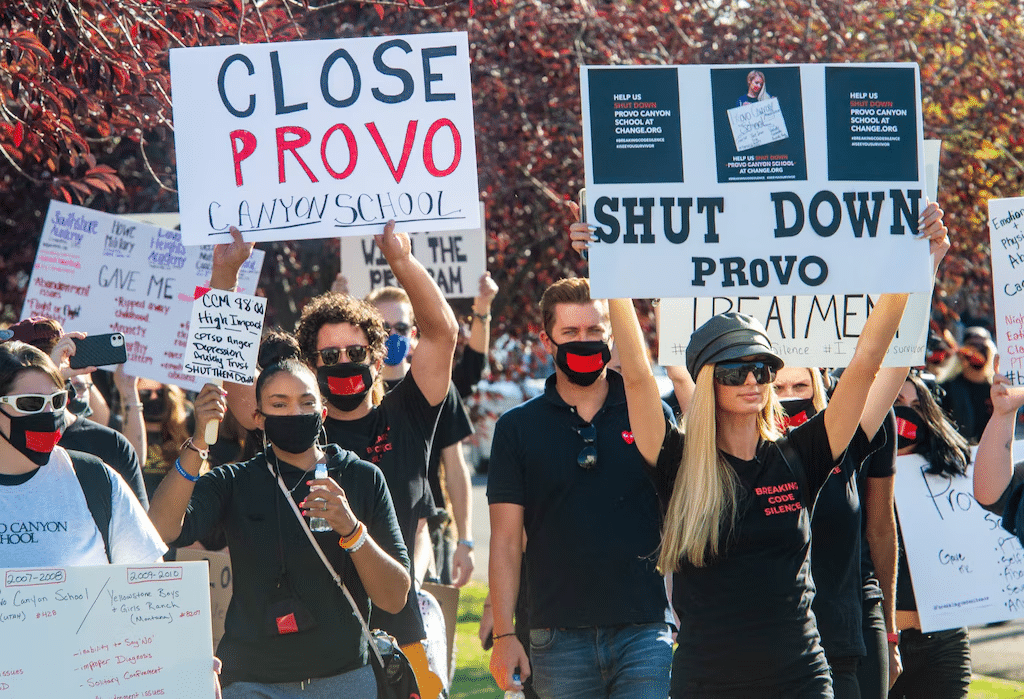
(592, 535)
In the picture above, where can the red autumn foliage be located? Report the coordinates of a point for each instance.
(85, 110)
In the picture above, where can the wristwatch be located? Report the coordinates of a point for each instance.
(468, 543)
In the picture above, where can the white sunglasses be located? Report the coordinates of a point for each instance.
(30, 403)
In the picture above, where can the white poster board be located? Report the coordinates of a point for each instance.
(807, 331)
(99, 273)
(683, 207)
(1006, 240)
(224, 335)
(319, 139)
(455, 259)
(966, 569)
(106, 632)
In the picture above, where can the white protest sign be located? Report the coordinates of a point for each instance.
(455, 259)
(319, 139)
(106, 632)
(966, 568)
(99, 273)
(1006, 241)
(757, 123)
(224, 335)
(807, 331)
(680, 210)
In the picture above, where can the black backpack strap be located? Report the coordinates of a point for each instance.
(795, 465)
(94, 477)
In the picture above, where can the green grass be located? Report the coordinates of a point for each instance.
(473, 678)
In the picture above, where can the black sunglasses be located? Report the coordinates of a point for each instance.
(355, 353)
(735, 373)
(397, 328)
(587, 458)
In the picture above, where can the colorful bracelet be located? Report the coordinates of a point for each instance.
(893, 637)
(352, 542)
(185, 474)
(204, 454)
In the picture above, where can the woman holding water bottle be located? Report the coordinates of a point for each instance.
(288, 630)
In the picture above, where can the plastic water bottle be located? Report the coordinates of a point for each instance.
(515, 693)
(319, 524)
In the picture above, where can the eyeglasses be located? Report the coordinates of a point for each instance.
(36, 402)
(735, 373)
(355, 353)
(397, 328)
(587, 458)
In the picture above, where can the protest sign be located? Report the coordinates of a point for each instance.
(455, 259)
(105, 632)
(966, 569)
(1006, 241)
(221, 586)
(807, 331)
(224, 335)
(317, 139)
(721, 199)
(99, 273)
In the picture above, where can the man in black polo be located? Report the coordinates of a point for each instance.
(564, 466)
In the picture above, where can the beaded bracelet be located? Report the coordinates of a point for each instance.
(184, 474)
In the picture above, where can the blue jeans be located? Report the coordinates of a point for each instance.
(616, 662)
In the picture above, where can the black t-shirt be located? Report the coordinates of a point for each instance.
(261, 530)
(396, 436)
(112, 447)
(969, 404)
(453, 425)
(836, 526)
(592, 535)
(746, 620)
(880, 464)
(467, 371)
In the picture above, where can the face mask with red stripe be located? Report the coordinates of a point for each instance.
(798, 411)
(35, 435)
(911, 429)
(582, 362)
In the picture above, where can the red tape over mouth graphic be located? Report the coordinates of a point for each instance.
(585, 363)
(42, 442)
(906, 429)
(345, 386)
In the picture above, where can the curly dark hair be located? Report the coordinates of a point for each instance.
(333, 307)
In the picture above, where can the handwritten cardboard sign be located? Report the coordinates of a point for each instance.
(99, 273)
(315, 139)
(808, 331)
(757, 124)
(221, 586)
(966, 569)
(686, 204)
(104, 632)
(1006, 240)
(224, 335)
(455, 259)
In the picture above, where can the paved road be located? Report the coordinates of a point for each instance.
(996, 651)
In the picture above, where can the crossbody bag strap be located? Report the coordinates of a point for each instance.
(330, 569)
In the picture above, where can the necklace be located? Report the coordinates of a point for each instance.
(302, 478)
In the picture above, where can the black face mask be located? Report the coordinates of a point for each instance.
(153, 409)
(292, 433)
(911, 429)
(798, 411)
(35, 435)
(79, 407)
(344, 385)
(582, 362)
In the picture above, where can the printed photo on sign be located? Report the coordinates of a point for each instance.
(635, 125)
(315, 139)
(758, 116)
(1006, 240)
(871, 115)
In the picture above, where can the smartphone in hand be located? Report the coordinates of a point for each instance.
(99, 350)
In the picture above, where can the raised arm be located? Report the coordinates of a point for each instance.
(643, 401)
(480, 330)
(431, 364)
(993, 462)
(890, 380)
(228, 258)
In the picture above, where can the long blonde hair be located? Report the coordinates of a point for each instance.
(703, 505)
